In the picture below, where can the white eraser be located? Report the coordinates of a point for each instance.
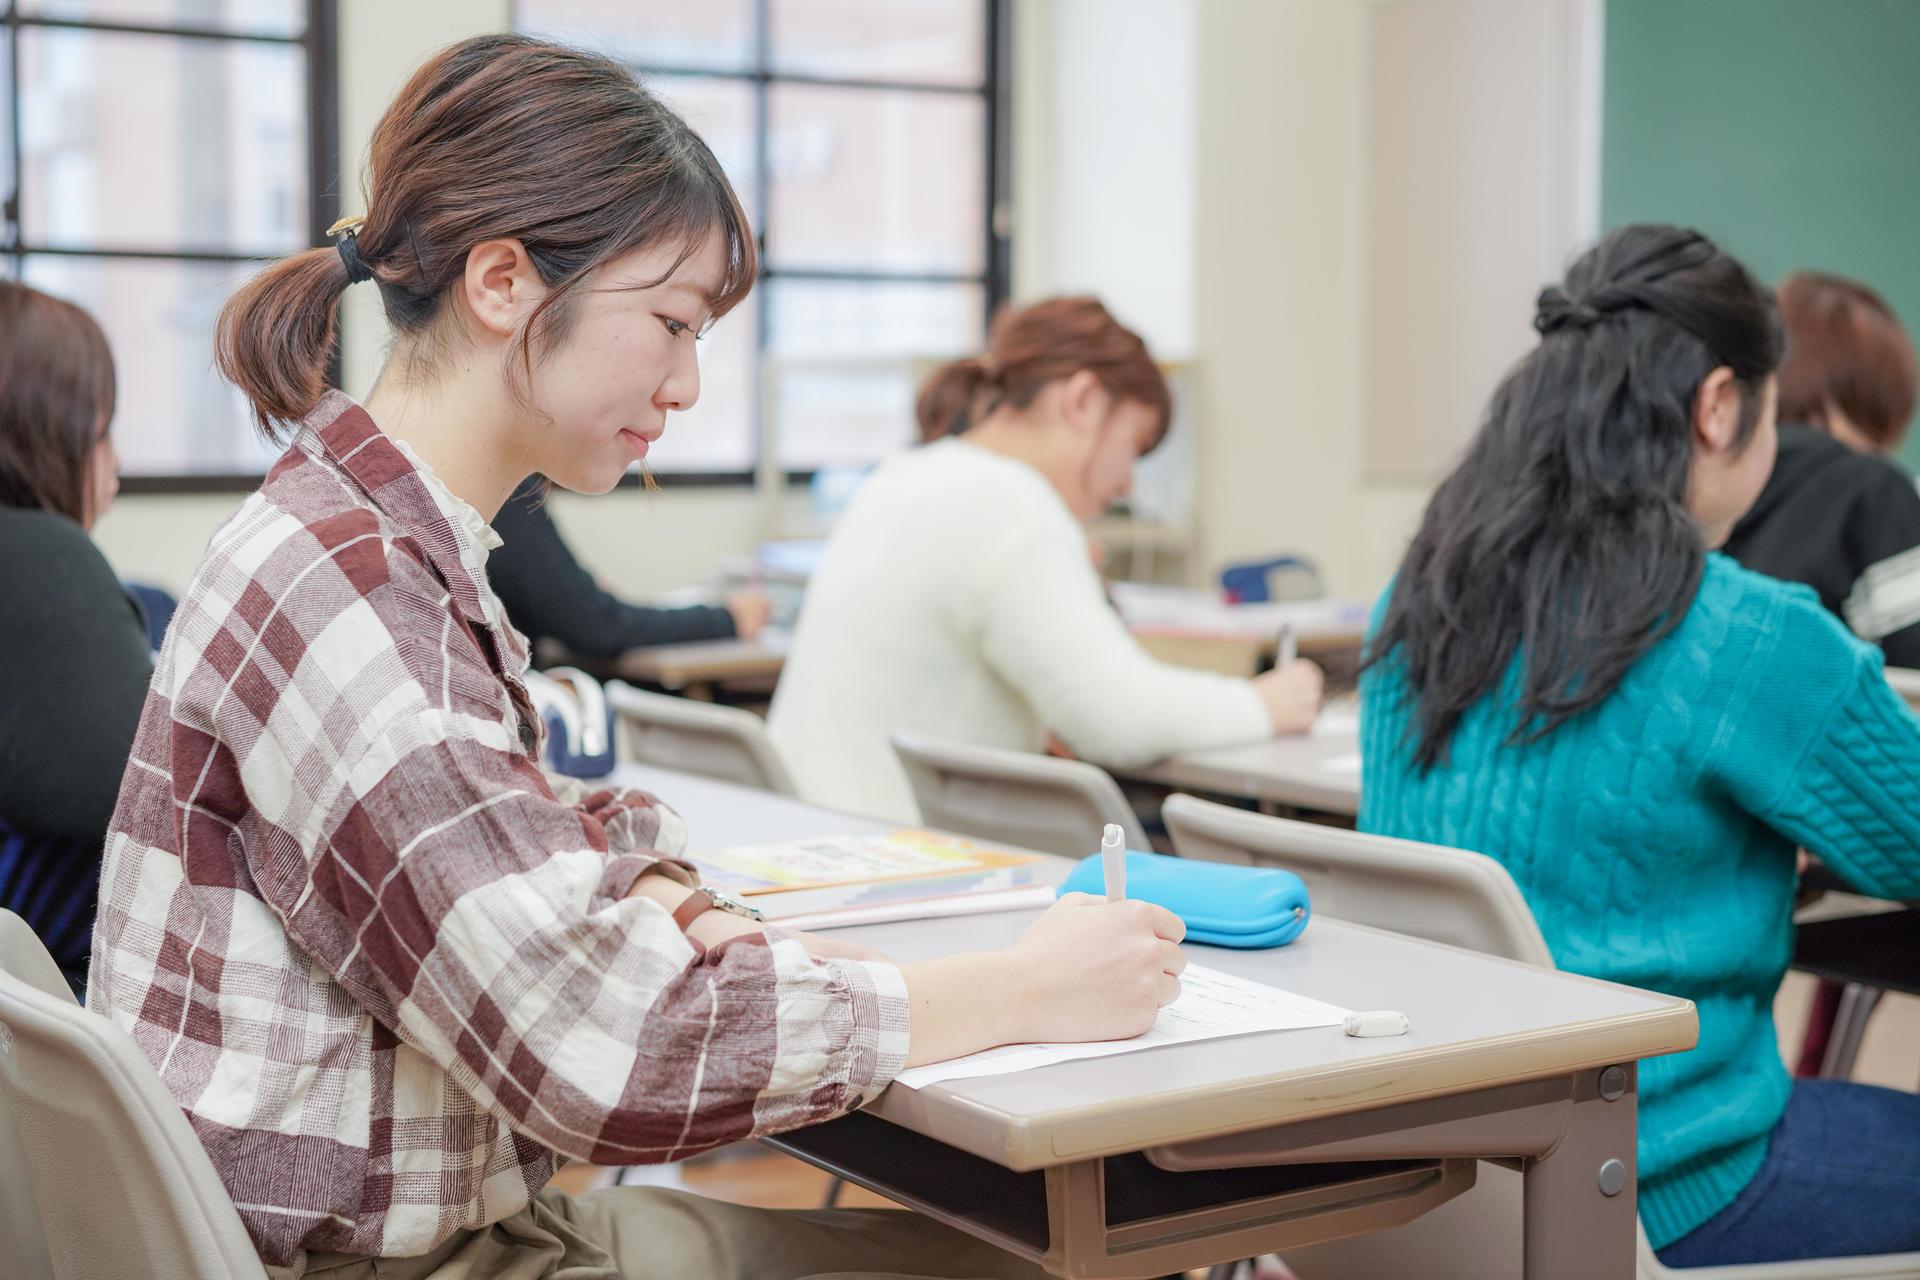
(1381, 1022)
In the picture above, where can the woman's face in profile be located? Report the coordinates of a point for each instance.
(1106, 475)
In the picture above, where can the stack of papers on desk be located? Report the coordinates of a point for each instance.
(904, 875)
(1212, 1005)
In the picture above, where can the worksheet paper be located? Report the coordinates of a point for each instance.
(1212, 1006)
(1337, 720)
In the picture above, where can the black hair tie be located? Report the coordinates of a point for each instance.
(1553, 311)
(348, 247)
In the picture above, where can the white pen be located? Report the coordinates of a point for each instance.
(1285, 649)
(1113, 861)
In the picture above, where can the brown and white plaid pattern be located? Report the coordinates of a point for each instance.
(382, 960)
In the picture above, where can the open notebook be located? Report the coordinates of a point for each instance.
(903, 875)
(1213, 1005)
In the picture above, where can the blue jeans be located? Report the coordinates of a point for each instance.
(1841, 1179)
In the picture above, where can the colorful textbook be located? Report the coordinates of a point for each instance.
(903, 875)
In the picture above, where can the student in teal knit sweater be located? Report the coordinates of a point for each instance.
(1565, 678)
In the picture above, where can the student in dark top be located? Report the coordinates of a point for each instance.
(76, 663)
(1836, 514)
(549, 595)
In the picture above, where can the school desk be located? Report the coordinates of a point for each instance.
(1316, 774)
(1146, 1164)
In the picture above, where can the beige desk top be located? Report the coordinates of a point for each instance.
(1477, 1021)
(1305, 772)
(675, 666)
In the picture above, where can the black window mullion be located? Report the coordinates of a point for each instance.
(765, 74)
(324, 161)
(319, 41)
(181, 31)
(765, 430)
(999, 174)
(875, 275)
(15, 205)
(145, 255)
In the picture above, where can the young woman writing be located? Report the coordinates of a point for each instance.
(392, 972)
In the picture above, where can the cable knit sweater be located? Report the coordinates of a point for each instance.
(1654, 838)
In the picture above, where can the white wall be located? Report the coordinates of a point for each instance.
(1117, 102)
(1278, 273)
(1479, 159)
(1378, 189)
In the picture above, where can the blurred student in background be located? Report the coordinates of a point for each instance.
(1836, 514)
(549, 595)
(1643, 733)
(956, 598)
(76, 657)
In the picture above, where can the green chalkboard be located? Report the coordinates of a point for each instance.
(1788, 130)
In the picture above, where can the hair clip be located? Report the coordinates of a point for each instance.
(349, 224)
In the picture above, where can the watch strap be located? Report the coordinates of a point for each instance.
(697, 904)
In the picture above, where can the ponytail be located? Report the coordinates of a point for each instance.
(950, 398)
(1029, 348)
(276, 334)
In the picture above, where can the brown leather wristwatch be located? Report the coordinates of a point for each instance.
(705, 898)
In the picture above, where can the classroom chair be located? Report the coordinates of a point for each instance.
(1015, 797)
(727, 743)
(1464, 900)
(121, 1184)
(1861, 957)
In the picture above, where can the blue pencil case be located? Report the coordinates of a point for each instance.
(1224, 905)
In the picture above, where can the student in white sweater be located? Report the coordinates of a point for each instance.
(958, 599)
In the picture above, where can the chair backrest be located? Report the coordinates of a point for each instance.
(1906, 683)
(121, 1184)
(727, 743)
(1015, 797)
(1423, 890)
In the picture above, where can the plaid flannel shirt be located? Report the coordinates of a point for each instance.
(384, 962)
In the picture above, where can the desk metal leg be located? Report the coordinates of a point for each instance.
(1581, 1195)
(1857, 1003)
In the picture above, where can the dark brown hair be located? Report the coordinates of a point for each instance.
(1845, 348)
(1029, 347)
(56, 398)
(497, 137)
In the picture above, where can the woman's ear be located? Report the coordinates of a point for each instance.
(501, 286)
(1084, 401)
(1716, 411)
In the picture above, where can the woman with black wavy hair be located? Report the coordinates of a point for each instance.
(1566, 678)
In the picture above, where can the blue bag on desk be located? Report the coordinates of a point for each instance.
(1224, 905)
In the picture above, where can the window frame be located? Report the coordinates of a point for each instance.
(320, 40)
(995, 277)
